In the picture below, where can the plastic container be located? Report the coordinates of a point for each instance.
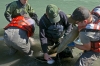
(50, 61)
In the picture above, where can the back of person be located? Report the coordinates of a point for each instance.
(17, 35)
(23, 24)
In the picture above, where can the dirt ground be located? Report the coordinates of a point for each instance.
(20, 60)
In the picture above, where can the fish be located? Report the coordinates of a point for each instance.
(68, 39)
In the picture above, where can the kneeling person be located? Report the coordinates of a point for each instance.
(52, 26)
(17, 33)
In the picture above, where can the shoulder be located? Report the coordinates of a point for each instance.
(44, 20)
(14, 3)
(90, 33)
(85, 33)
(11, 4)
(62, 13)
(27, 4)
(44, 17)
(84, 37)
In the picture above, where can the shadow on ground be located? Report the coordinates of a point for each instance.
(20, 60)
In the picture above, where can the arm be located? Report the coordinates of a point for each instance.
(84, 46)
(42, 36)
(68, 28)
(32, 14)
(43, 39)
(85, 40)
(67, 25)
(8, 12)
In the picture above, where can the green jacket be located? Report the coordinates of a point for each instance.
(15, 9)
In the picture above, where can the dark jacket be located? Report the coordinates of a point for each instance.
(43, 29)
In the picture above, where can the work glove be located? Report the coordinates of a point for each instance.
(72, 44)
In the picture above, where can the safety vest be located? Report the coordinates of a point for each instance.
(96, 11)
(21, 23)
(95, 25)
(95, 45)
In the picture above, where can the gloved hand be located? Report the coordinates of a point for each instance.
(72, 44)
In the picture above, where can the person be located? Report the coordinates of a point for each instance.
(52, 26)
(20, 7)
(89, 35)
(17, 33)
